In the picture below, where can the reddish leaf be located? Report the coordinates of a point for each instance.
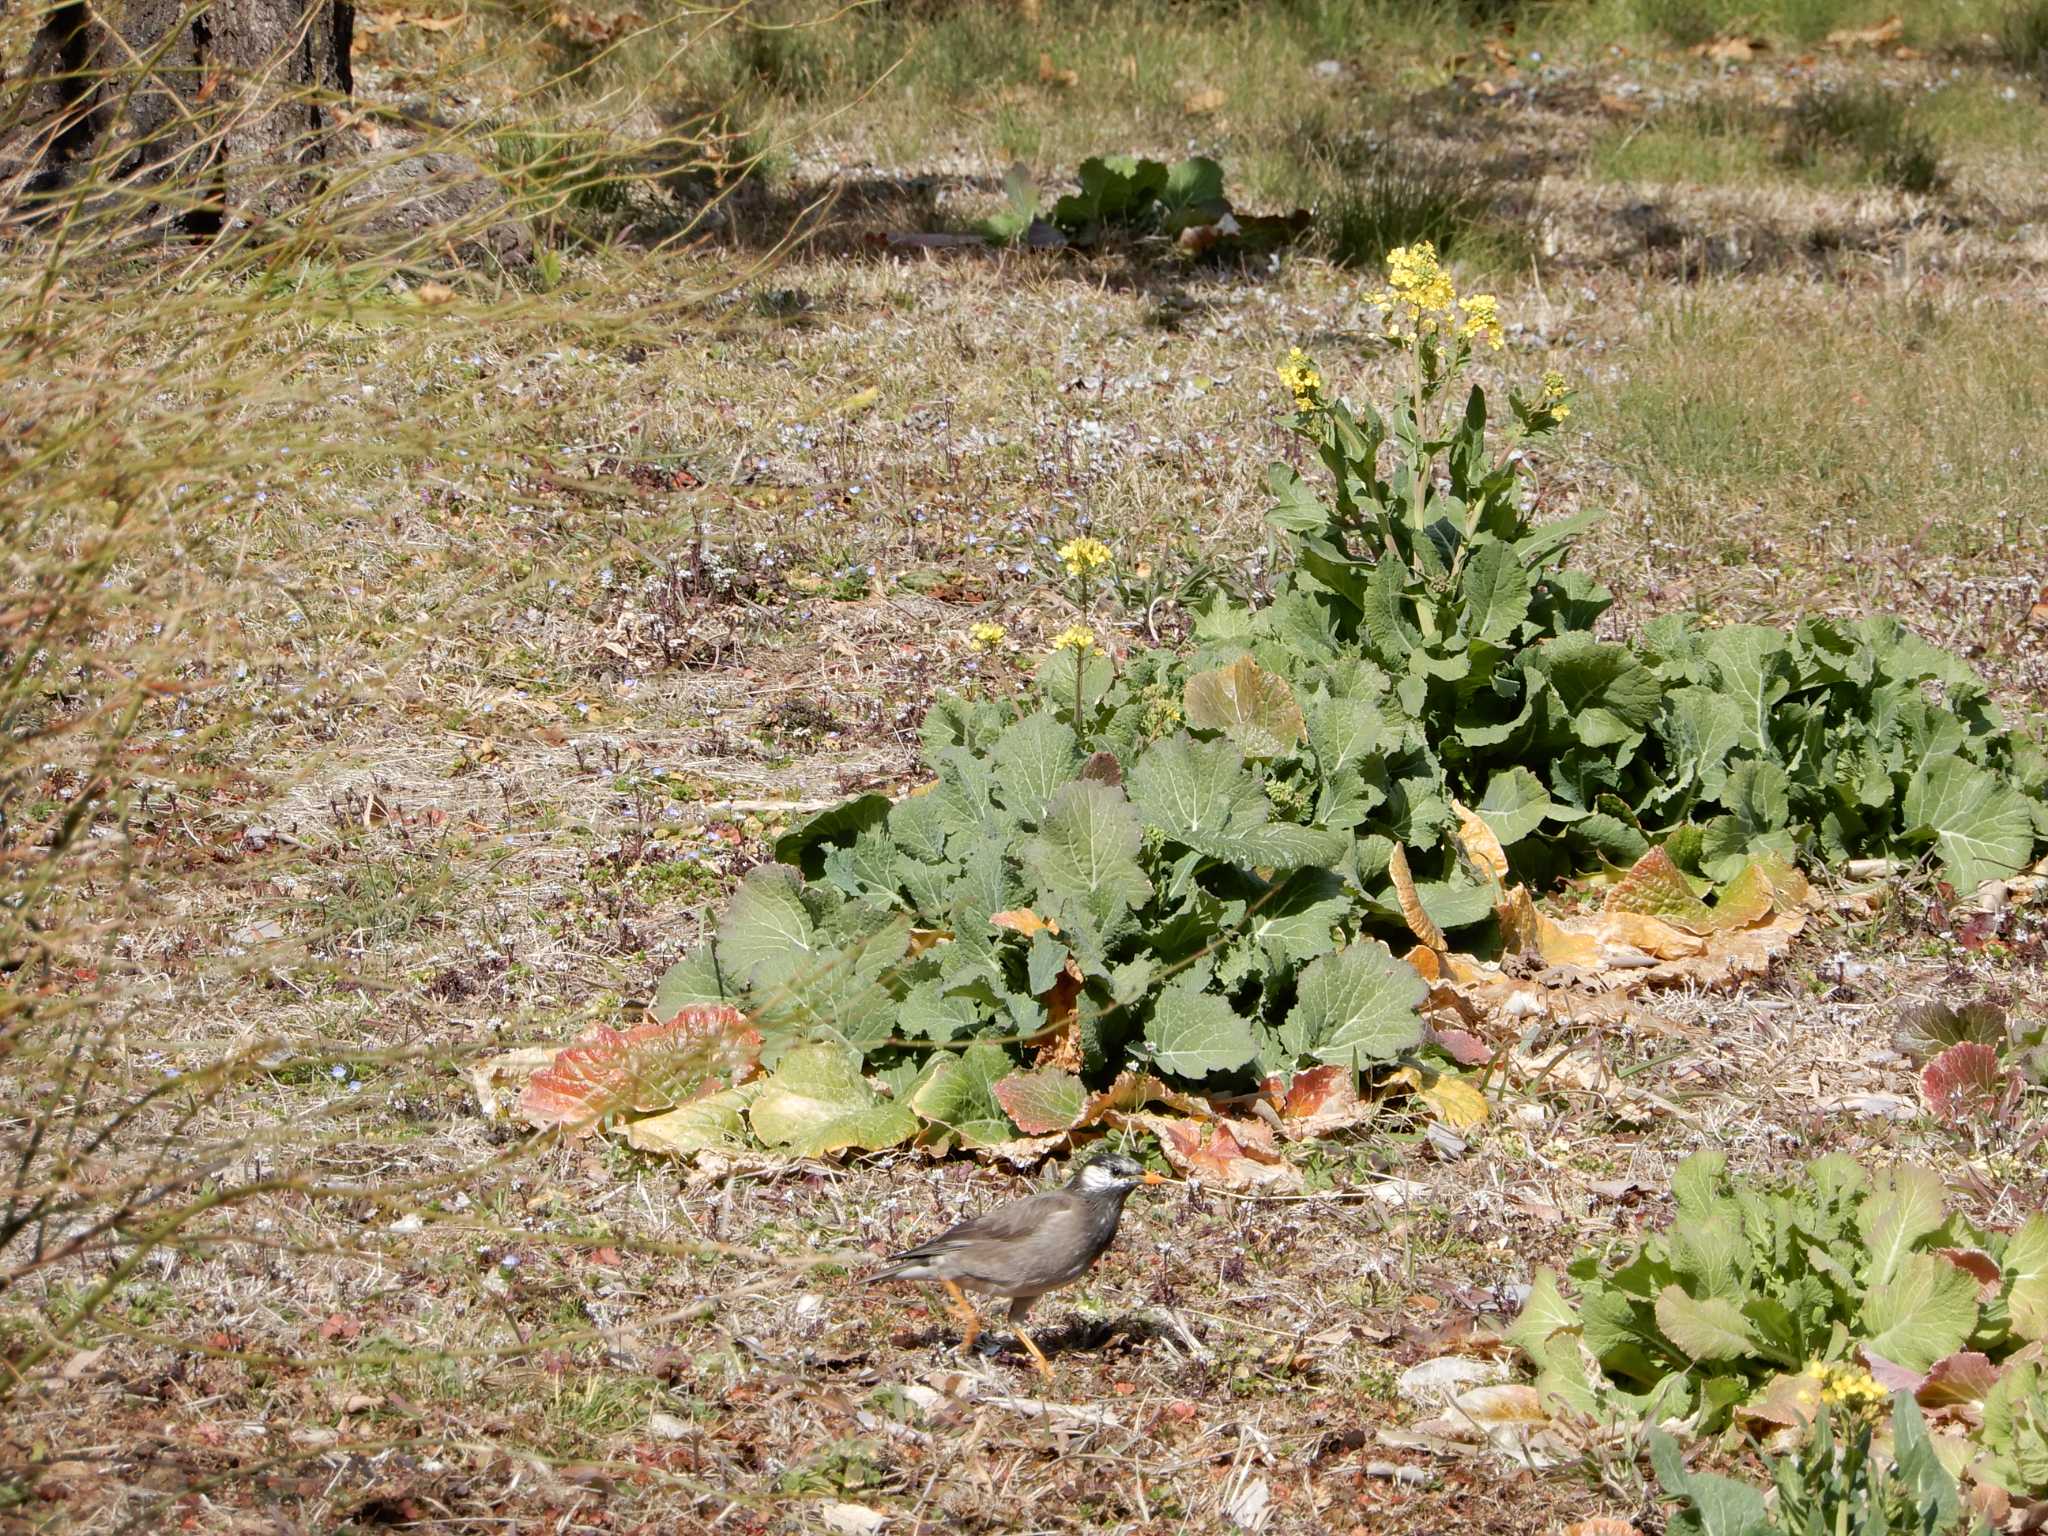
(1043, 1101)
(1465, 1048)
(1889, 1374)
(1232, 1154)
(1980, 1265)
(1134, 1090)
(1317, 1101)
(1973, 930)
(704, 1049)
(1964, 1377)
(1964, 1084)
(340, 1328)
(1103, 768)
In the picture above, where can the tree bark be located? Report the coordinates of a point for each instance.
(216, 106)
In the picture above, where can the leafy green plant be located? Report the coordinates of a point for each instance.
(1126, 196)
(1976, 1062)
(1024, 207)
(1721, 744)
(2014, 1437)
(1844, 1478)
(1727, 1310)
(1189, 863)
(1120, 190)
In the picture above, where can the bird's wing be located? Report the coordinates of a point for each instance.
(1005, 1223)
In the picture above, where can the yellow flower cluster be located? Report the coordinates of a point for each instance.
(1846, 1386)
(1082, 555)
(1554, 391)
(1482, 319)
(986, 637)
(1301, 378)
(1415, 281)
(1079, 639)
(1419, 298)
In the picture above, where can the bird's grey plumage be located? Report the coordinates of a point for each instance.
(1030, 1246)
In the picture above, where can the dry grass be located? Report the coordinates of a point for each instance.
(468, 679)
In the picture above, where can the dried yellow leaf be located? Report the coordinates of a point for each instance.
(1420, 923)
(1480, 843)
(1025, 921)
(1451, 1099)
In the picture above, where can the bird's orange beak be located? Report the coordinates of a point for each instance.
(1157, 1178)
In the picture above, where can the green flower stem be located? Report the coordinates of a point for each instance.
(1081, 658)
(1418, 472)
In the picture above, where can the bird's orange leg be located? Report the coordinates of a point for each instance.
(969, 1318)
(1037, 1354)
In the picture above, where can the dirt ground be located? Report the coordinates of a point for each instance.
(501, 748)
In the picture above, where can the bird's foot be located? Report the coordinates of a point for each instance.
(1042, 1365)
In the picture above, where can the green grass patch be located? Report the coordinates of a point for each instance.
(1858, 134)
(1397, 203)
(2023, 37)
(1983, 114)
(1689, 22)
(1883, 423)
(1865, 131)
(1704, 143)
(1368, 196)
(564, 178)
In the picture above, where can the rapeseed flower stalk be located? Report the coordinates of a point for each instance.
(1079, 639)
(1423, 314)
(1082, 555)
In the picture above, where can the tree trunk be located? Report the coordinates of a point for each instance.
(217, 107)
